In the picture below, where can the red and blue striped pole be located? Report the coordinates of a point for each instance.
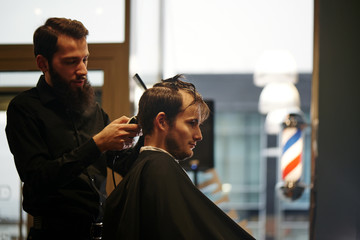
(291, 164)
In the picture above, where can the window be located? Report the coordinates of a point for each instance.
(20, 19)
(217, 48)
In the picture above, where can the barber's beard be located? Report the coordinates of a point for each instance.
(77, 99)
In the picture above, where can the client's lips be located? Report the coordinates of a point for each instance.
(192, 145)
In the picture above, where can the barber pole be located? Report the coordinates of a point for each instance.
(291, 158)
(291, 165)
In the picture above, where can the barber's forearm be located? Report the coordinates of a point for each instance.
(45, 173)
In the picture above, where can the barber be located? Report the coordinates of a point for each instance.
(62, 140)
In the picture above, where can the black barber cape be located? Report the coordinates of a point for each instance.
(157, 200)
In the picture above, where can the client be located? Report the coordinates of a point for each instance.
(157, 199)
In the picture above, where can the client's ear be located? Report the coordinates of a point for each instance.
(160, 121)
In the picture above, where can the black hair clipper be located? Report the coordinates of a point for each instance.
(133, 120)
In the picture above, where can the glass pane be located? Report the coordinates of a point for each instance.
(29, 79)
(20, 18)
(144, 60)
(230, 35)
(10, 198)
(218, 50)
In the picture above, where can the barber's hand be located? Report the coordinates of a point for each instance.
(117, 135)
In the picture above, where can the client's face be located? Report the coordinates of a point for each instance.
(185, 131)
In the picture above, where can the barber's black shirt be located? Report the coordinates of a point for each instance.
(63, 171)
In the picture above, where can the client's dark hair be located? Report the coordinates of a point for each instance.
(165, 97)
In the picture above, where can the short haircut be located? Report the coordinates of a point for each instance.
(46, 36)
(165, 97)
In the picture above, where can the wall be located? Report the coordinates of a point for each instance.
(337, 181)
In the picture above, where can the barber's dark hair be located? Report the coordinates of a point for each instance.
(165, 97)
(46, 36)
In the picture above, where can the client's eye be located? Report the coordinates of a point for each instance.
(194, 122)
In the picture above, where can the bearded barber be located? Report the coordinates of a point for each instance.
(62, 140)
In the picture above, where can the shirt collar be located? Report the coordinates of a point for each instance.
(46, 92)
(151, 148)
